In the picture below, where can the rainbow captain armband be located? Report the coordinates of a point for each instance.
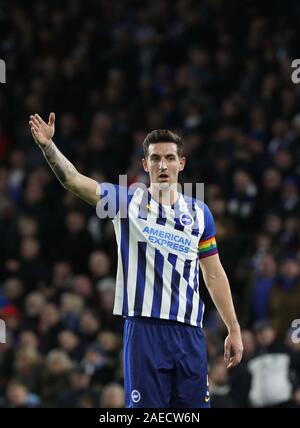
(207, 247)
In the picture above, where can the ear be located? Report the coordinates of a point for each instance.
(144, 162)
(182, 163)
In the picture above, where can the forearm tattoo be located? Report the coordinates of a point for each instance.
(62, 168)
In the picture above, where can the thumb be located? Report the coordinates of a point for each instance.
(51, 119)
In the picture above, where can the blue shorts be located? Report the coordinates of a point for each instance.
(165, 364)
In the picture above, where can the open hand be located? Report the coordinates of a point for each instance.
(41, 131)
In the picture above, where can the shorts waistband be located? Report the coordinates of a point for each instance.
(157, 321)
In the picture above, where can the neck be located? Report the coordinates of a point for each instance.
(165, 195)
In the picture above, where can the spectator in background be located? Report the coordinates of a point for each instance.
(268, 194)
(49, 326)
(28, 339)
(99, 265)
(6, 205)
(290, 198)
(34, 197)
(284, 162)
(89, 326)
(97, 363)
(293, 344)
(69, 342)
(219, 386)
(261, 288)
(106, 295)
(291, 234)
(239, 377)
(13, 289)
(17, 167)
(83, 288)
(35, 303)
(112, 396)
(285, 298)
(33, 270)
(28, 366)
(28, 227)
(18, 396)
(269, 368)
(55, 376)
(79, 386)
(77, 244)
(71, 306)
(61, 280)
(111, 343)
(241, 202)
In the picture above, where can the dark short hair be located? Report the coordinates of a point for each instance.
(162, 136)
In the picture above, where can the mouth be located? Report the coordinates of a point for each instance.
(163, 177)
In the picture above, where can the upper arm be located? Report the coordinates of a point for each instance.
(86, 188)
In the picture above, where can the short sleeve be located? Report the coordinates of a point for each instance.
(113, 199)
(208, 245)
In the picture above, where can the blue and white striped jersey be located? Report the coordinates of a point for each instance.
(158, 256)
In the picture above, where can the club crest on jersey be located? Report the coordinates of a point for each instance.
(186, 219)
(135, 396)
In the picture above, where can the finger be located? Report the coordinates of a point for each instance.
(33, 123)
(40, 120)
(235, 360)
(34, 120)
(34, 128)
(226, 354)
(238, 353)
(33, 133)
(232, 362)
(51, 119)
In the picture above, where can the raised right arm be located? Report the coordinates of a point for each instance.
(82, 186)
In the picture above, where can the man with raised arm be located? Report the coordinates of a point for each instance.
(162, 240)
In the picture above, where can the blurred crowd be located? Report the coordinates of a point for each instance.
(219, 74)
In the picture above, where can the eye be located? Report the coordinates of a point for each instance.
(155, 158)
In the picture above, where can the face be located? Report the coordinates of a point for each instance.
(163, 164)
(265, 336)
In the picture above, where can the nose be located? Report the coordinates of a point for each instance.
(162, 164)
